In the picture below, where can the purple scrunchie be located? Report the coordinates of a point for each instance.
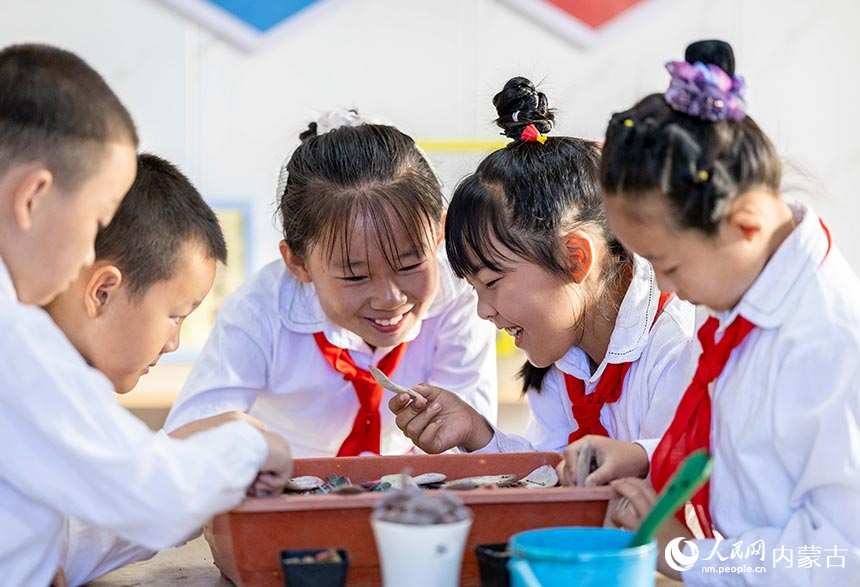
(705, 91)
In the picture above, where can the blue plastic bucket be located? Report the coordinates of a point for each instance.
(585, 557)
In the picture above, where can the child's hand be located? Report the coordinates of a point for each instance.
(638, 499)
(615, 459)
(268, 484)
(440, 420)
(277, 469)
(214, 421)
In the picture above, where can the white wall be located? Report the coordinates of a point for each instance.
(228, 117)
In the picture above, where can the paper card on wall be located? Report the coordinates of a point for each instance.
(579, 21)
(249, 24)
(234, 218)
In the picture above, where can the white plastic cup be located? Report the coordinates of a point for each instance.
(420, 555)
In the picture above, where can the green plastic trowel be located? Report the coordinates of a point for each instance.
(691, 475)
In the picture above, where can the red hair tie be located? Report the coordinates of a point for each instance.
(531, 134)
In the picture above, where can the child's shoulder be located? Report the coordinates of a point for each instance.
(275, 299)
(817, 344)
(828, 308)
(262, 296)
(552, 395)
(261, 287)
(678, 315)
(18, 320)
(29, 331)
(838, 284)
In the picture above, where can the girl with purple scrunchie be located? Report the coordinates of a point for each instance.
(706, 91)
(690, 182)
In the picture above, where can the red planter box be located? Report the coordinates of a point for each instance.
(246, 541)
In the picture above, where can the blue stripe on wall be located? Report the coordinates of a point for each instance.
(262, 14)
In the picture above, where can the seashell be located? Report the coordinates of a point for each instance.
(585, 463)
(475, 482)
(305, 483)
(544, 476)
(388, 384)
(399, 481)
(429, 478)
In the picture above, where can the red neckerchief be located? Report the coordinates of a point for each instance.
(367, 429)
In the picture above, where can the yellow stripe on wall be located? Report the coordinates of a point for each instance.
(461, 146)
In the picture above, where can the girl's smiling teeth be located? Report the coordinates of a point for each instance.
(388, 321)
(514, 331)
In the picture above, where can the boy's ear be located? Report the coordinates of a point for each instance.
(580, 254)
(31, 184)
(101, 289)
(294, 263)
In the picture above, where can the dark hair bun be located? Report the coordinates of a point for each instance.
(713, 52)
(520, 100)
(309, 133)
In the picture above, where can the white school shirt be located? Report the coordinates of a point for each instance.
(785, 425)
(653, 386)
(261, 358)
(88, 552)
(71, 450)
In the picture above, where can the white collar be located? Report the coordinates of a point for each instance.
(630, 335)
(7, 288)
(300, 309)
(769, 300)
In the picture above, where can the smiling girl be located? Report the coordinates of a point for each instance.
(527, 230)
(361, 283)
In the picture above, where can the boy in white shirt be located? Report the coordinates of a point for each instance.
(67, 157)
(155, 262)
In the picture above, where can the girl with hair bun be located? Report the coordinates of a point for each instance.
(363, 281)
(606, 349)
(691, 183)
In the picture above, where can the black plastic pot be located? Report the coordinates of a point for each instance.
(492, 564)
(314, 574)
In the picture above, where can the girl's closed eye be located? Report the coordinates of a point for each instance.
(670, 271)
(485, 278)
(354, 278)
(407, 268)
